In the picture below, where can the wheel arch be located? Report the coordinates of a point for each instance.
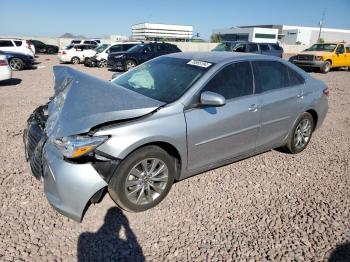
(314, 115)
(167, 147)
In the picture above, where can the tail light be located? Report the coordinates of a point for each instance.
(3, 62)
(326, 91)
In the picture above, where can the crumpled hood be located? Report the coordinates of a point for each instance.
(82, 101)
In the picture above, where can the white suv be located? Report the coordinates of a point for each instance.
(76, 54)
(95, 42)
(17, 45)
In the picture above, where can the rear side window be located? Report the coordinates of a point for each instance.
(270, 75)
(253, 48)
(294, 78)
(18, 43)
(233, 81)
(264, 47)
(5, 43)
(275, 47)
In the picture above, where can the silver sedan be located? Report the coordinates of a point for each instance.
(168, 119)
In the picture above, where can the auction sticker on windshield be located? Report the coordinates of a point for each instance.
(199, 63)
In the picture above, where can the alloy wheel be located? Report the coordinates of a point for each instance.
(16, 64)
(146, 181)
(302, 133)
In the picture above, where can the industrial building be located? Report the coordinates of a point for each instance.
(252, 34)
(286, 34)
(148, 31)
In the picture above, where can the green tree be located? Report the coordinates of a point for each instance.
(215, 38)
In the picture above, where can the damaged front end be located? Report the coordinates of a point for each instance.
(60, 147)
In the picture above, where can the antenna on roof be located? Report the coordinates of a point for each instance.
(321, 24)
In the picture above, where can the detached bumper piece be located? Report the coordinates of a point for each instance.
(34, 138)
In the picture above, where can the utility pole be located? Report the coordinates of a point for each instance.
(321, 24)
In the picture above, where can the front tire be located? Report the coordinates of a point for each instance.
(16, 64)
(326, 67)
(75, 60)
(102, 63)
(129, 64)
(301, 134)
(143, 179)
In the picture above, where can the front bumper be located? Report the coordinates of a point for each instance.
(68, 186)
(315, 64)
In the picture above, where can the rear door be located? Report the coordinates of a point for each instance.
(281, 93)
(215, 134)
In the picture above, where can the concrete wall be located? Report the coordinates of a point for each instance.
(184, 46)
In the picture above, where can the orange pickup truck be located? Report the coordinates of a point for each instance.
(323, 57)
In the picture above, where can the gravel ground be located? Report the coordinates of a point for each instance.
(273, 206)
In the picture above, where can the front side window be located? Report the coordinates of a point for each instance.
(223, 47)
(116, 48)
(164, 79)
(240, 48)
(270, 75)
(233, 81)
(340, 49)
(253, 48)
(160, 48)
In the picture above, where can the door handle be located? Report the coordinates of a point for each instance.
(253, 107)
(300, 95)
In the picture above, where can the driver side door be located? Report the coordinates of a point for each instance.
(217, 134)
(339, 56)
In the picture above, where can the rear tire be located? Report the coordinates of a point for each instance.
(75, 60)
(326, 67)
(301, 134)
(143, 179)
(50, 51)
(16, 64)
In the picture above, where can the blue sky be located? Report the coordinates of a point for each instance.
(96, 18)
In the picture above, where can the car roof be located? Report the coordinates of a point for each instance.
(214, 56)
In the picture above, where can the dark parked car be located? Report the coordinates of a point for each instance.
(18, 61)
(140, 54)
(250, 47)
(41, 47)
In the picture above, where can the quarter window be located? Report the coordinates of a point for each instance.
(233, 81)
(270, 75)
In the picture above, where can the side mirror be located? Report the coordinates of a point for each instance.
(212, 99)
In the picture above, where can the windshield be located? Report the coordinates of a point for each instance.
(101, 48)
(322, 47)
(165, 79)
(223, 47)
(135, 48)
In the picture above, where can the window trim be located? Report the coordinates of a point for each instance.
(200, 90)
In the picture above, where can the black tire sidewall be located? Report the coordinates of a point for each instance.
(323, 69)
(116, 187)
(291, 145)
(126, 64)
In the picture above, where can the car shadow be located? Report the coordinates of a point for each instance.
(11, 82)
(341, 253)
(107, 244)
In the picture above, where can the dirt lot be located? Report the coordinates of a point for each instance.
(270, 207)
